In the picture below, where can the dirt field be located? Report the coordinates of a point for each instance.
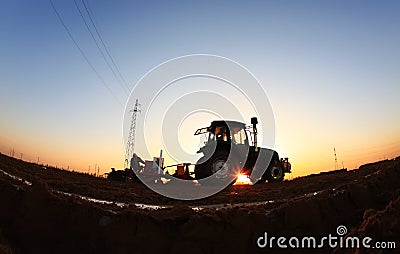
(38, 218)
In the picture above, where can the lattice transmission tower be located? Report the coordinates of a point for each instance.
(130, 144)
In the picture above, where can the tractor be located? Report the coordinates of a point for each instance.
(227, 150)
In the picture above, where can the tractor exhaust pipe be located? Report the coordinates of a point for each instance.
(254, 122)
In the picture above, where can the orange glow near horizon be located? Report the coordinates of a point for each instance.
(83, 158)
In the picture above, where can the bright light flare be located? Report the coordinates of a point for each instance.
(242, 179)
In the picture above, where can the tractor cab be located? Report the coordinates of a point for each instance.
(224, 133)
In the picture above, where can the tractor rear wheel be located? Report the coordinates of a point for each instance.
(221, 167)
(218, 164)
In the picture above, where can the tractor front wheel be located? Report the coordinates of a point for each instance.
(275, 172)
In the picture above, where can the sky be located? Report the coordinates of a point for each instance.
(330, 69)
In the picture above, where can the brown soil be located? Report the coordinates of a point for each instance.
(36, 219)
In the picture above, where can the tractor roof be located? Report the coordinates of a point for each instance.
(226, 123)
(219, 123)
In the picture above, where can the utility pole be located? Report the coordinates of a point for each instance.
(336, 164)
(38, 160)
(21, 155)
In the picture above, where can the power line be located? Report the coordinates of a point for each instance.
(82, 53)
(93, 21)
(98, 46)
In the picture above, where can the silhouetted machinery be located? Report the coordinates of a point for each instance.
(227, 151)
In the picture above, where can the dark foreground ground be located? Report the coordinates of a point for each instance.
(38, 219)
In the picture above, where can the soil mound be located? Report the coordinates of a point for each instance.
(37, 219)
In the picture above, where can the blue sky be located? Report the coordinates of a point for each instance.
(330, 68)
